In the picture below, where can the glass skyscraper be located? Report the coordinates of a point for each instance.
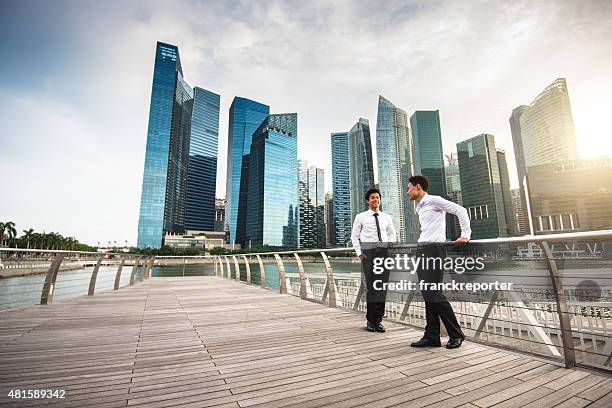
(341, 204)
(183, 128)
(311, 186)
(395, 165)
(202, 166)
(361, 168)
(427, 149)
(272, 201)
(246, 116)
(482, 186)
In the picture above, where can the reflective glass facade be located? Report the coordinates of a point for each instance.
(246, 116)
(361, 167)
(311, 193)
(272, 217)
(395, 165)
(341, 204)
(427, 145)
(164, 178)
(202, 165)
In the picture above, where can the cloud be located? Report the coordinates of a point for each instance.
(75, 95)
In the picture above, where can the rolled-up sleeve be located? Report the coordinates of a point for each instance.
(460, 212)
(355, 233)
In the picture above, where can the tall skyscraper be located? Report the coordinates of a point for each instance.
(219, 214)
(395, 165)
(246, 116)
(272, 199)
(311, 194)
(543, 133)
(453, 192)
(481, 186)
(427, 149)
(202, 165)
(505, 189)
(341, 188)
(330, 231)
(170, 199)
(520, 213)
(361, 167)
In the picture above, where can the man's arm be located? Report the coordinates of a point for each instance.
(355, 234)
(460, 212)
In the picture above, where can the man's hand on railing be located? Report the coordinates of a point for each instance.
(461, 241)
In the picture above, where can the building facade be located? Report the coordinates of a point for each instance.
(395, 165)
(311, 192)
(453, 192)
(272, 200)
(330, 231)
(481, 186)
(180, 122)
(246, 116)
(341, 189)
(361, 167)
(219, 214)
(427, 149)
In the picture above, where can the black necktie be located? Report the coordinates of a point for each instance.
(377, 227)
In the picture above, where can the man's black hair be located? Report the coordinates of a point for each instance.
(422, 180)
(372, 191)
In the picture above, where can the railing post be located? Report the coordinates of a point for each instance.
(303, 291)
(566, 329)
(237, 267)
(150, 268)
(46, 296)
(118, 275)
(94, 278)
(229, 268)
(330, 287)
(248, 269)
(220, 267)
(281, 274)
(134, 269)
(359, 293)
(407, 305)
(262, 272)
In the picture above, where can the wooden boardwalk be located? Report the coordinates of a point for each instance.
(205, 341)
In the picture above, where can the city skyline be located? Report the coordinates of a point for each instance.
(73, 105)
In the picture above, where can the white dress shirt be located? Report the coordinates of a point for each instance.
(432, 216)
(364, 229)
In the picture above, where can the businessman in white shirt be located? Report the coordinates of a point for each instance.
(372, 231)
(432, 217)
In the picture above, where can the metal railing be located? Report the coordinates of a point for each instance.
(560, 306)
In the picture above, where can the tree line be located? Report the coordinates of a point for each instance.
(36, 240)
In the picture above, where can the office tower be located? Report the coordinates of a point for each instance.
(219, 214)
(330, 232)
(427, 149)
(361, 167)
(505, 189)
(520, 214)
(453, 192)
(311, 191)
(395, 165)
(481, 186)
(179, 170)
(202, 164)
(341, 188)
(542, 133)
(272, 200)
(571, 195)
(246, 116)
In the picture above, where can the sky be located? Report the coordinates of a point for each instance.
(75, 84)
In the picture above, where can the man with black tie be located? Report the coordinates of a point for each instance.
(432, 217)
(372, 230)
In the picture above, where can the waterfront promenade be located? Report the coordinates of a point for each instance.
(207, 341)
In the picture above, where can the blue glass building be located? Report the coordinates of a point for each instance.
(341, 204)
(272, 203)
(246, 116)
(427, 146)
(395, 165)
(202, 165)
(164, 179)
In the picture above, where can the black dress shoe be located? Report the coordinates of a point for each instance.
(454, 343)
(371, 327)
(380, 327)
(425, 342)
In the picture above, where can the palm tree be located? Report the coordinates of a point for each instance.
(28, 235)
(8, 228)
(2, 230)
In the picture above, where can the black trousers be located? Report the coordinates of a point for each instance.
(375, 297)
(436, 305)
